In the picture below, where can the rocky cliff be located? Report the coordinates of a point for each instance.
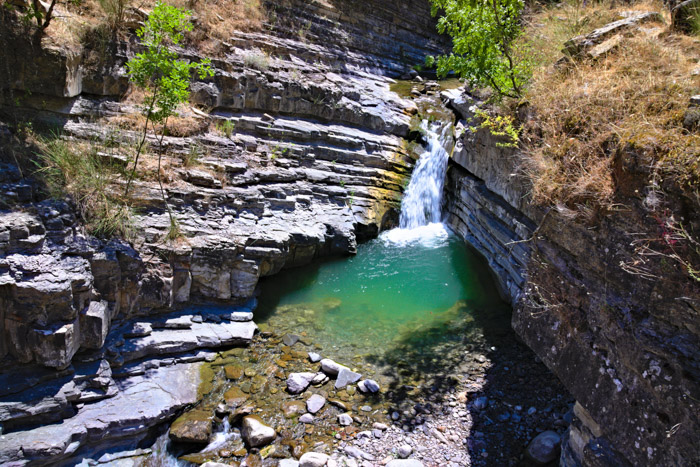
(623, 340)
(318, 160)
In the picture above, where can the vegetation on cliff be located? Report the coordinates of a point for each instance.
(593, 123)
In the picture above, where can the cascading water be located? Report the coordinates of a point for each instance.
(420, 209)
(421, 203)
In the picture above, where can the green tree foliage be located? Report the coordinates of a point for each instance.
(164, 77)
(483, 33)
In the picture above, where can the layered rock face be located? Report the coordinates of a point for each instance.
(624, 341)
(317, 161)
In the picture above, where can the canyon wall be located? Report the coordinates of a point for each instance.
(626, 346)
(318, 160)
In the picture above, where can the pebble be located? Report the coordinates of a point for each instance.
(531, 411)
(306, 418)
(315, 403)
(357, 453)
(404, 451)
(314, 357)
(344, 419)
(366, 408)
(290, 339)
(313, 459)
(545, 447)
(368, 385)
(379, 426)
(395, 416)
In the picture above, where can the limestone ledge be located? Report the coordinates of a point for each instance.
(146, 373)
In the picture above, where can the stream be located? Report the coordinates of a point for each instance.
(416, 310)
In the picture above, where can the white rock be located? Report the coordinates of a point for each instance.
(314, 357)
(330, 367)
(315, 403)
(345, 377)
(306, 418)
(298, 382)
(313, 459)
(344, 419)
(288, 463)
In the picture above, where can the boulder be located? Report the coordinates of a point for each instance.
(298, 382)
(579, 46)
(313, 459)
(544, 448)
(255, 432)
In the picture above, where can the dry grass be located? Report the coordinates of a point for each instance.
(590, 113)
(214, 20)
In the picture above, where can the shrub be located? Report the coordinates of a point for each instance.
(257, 60)
(79, 171)
(483, 33)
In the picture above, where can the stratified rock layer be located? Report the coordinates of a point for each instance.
(627, 347)
(316, 159)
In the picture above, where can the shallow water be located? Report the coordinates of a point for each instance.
(406, 284)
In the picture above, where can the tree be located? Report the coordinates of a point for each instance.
(483, 32)
(164, 77)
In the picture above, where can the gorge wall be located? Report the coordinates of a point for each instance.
(625, 346)
(318, 161)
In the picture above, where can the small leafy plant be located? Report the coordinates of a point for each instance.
(226, 128)
(499, 125)
(164, 77)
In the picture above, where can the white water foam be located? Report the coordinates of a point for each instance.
(221, 437)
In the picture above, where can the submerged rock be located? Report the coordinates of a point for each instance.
(255, 432)
(290, 339)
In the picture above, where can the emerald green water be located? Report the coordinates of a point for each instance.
(406, 293)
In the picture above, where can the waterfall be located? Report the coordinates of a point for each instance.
(421, 218)
(421, 203)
